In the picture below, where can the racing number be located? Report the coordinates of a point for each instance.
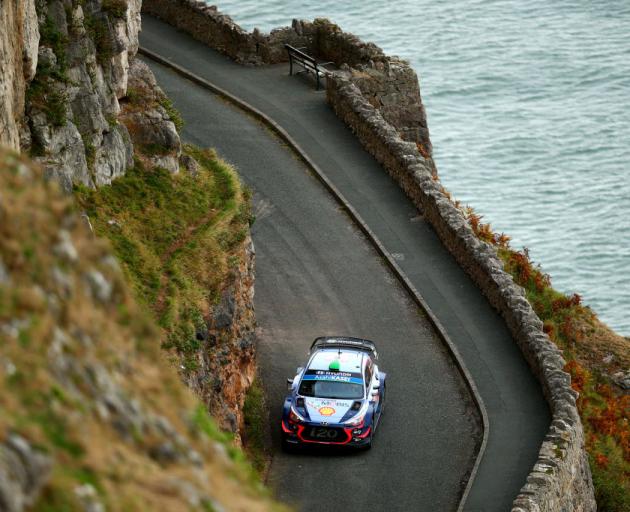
(323, 433)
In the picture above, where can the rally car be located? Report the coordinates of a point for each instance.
(338, 398)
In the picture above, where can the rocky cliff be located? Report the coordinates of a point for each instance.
(19, 42)
(226, 369)
(75, 98)
(92, 415)
(64, 67)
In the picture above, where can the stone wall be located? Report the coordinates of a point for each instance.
(390, 84)
(560, 479)
(209, 26)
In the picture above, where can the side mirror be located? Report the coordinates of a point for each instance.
(374, 392)
(289, 384)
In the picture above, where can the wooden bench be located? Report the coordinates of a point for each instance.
(308, 63)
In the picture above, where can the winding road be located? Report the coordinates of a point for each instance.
(318, 275)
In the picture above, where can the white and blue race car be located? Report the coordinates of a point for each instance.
(338, 398)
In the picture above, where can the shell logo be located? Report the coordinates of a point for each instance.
(326, 411)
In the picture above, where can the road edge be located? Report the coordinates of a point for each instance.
(356, 218)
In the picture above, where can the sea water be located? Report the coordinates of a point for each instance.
(528, 105)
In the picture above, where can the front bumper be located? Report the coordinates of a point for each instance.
(312, 433)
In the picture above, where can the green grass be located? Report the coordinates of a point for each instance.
(97, 30)
(612, 494)
(41, 92)
(51, 36)
(574, 328)
(256, 433)
(90, 155)
(117, 8)
(54, 499)
(173, 113)
(204, 424)
(174, 235)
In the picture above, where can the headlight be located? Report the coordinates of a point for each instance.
(358, 418)
(295, 417)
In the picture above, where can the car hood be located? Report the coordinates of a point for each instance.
(330, 410)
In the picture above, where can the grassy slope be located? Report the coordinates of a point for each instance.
(256, 433)
(48, 292)
(174, 236)
(585, 342)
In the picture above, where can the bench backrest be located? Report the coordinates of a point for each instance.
(306, 61)
(300, 55)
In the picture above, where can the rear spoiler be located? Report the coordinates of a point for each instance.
(345, 342)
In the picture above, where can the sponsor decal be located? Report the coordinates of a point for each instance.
(326, 411)
(354, 378)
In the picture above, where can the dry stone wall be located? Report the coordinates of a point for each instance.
(378, 97)
(209, 26)
(561, 478)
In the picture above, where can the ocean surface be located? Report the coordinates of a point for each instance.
(528, 106)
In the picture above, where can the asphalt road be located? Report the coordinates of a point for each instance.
(299, 246)
(317, 275)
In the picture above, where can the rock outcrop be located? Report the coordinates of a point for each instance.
(72, 101)
(23, 472)
(19, 42)
(75, 98)
(144, 113)
(227, 366)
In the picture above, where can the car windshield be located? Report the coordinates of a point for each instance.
(330, 389)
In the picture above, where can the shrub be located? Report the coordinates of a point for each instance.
(173, 113)
(117, 8)
(604, 413)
